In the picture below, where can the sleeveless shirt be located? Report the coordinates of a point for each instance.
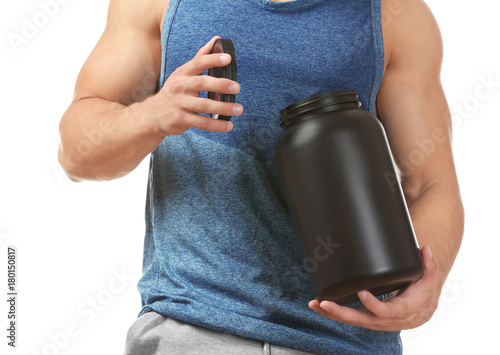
(220, 250)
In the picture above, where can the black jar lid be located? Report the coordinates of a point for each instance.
(299, 108)
(224, 45)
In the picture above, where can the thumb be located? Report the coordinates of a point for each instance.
(430, 275)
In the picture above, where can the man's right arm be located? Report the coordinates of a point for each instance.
(115, 118)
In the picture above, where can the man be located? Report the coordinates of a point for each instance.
(219, 244)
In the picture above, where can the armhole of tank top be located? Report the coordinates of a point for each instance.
(378, 46)
(165, 33)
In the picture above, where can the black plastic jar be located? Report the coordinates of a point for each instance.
(345, 198)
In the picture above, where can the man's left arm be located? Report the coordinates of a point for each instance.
(412, 107)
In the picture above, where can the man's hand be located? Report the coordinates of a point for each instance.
(409, 309)
(177, 106)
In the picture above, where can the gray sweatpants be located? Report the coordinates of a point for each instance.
(155, 334)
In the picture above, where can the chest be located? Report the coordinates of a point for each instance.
(282, 56)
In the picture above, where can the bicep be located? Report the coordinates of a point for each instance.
(411, 102)
(124, 66)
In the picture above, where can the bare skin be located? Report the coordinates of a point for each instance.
(116, 120)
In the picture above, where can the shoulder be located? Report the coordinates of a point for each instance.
(143, 14)
(411, 35)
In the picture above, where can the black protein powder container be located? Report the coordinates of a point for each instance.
(345, 199)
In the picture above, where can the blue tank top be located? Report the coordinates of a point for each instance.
(220, 250)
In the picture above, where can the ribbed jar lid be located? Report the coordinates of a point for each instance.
(316, 102)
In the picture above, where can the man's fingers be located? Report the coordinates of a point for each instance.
(197, 104)
(207, 123)
(207, 48)
(389, 309)
(204, 60)
(314, 305)
(371, 302)
(200, 83)
(348, 315)
(199, 64)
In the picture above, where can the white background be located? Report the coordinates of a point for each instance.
(78, 242)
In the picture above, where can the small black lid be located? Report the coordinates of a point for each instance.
(224, 45)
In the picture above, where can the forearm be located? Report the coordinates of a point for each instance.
(438, 219)
(104, 140)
